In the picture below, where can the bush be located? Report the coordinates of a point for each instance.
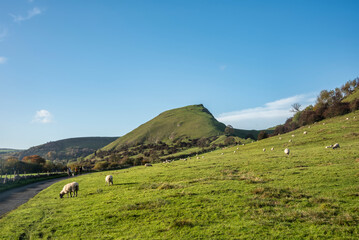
(262, 135)
(354, 105)
(101, 165)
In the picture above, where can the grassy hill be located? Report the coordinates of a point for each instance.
(68, 149)
(240, 192)
(174, 133)
(193, 121)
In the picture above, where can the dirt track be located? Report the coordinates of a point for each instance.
(11, 199)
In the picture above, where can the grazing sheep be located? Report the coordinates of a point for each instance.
(234, 151)
(308, 126)
(347, 119)
(264, 149)
(286, 151)
(305, 132)
(280, 138)
(336, 146)
(148, 165)
(290, 140)
(237, 148)
(69, 188)
(293, 135)
(354, 117)
(272, 149)
(109, 180)
(221, 153)
(323, 123)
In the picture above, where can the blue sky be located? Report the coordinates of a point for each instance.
(102, 68)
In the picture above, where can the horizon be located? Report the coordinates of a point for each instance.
(84, 69)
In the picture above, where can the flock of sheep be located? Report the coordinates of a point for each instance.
(74, 187)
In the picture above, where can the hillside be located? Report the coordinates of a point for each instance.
(172, 134)
(67, 149)
(7, 152)
(354, 95)
(240, 192)
(190, 122)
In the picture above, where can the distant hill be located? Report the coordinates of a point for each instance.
(67, 149)
(190, 122)
(175, 133)
(7, 152)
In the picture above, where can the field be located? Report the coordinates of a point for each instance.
(240, 192)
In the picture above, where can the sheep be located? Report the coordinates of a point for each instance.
(330, 146)
(290, 140)
(305, 132)
(69, 188)
(234, 151)
(264, 149)
(272, 149)
(109, 180)
(336, 146)
(286, 151)
(280, 138)
(148, 165)
(347, 119)
(293, 135)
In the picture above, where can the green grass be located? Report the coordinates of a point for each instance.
(249, 194)
(353, 96)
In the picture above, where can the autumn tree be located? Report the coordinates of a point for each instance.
(35, 159)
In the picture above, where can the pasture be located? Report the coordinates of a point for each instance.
(249, 194)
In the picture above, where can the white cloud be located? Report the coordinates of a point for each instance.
(3, 60)
(30, 14)
(43, 116)
(271, 114)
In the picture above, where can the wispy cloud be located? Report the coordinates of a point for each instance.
(30, 14)
(3, 60)
(43, 116)
(269, 115)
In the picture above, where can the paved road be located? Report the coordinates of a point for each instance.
(11, 199)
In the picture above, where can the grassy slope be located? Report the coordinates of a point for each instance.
(353, 96)
(250, 194)
(192, 121)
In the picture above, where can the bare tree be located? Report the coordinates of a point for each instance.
(295, 107)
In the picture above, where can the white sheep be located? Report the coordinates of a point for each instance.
(109, 180)
(286, 151)
(305, 132)
(148, 165)
(293, 135)
(69, 188)
(264, 149)
(290, 140)
(272, 149)
(336, 146)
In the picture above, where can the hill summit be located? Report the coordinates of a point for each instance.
(190, 122)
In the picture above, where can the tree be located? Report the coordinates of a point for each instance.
(295, 107)
(229, 130)
(229, 140)
(36, 159)
(262, 135)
